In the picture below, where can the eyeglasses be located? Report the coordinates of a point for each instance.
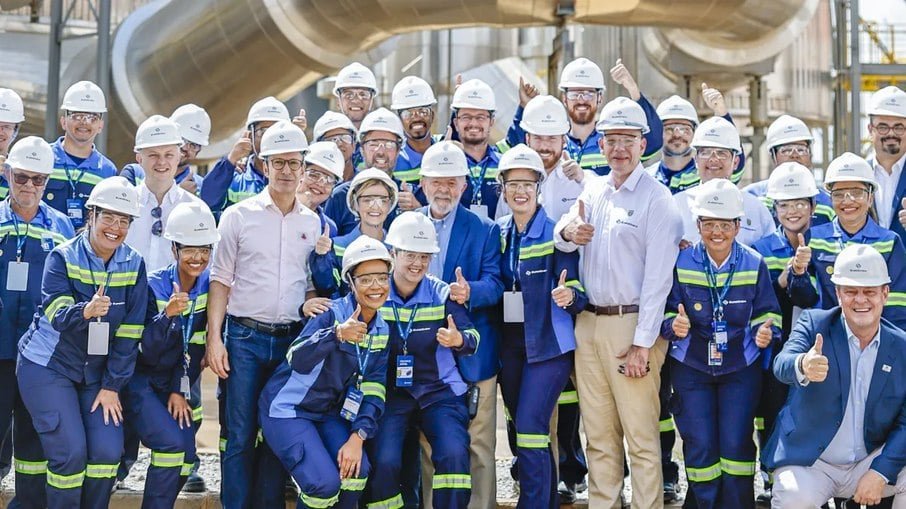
(411, 257)
(22, 179)
(678, 129)
(898, 129)
(721, 154)
(194, 252)
(855, 194)
(112, 218)
(423, 112)
(319, 177)
(373, 200)
(7, 128)
(477, 118)
(339, 138)
(190, 146)
(367, 280)
(278, 164)
(717, 226)
(585, 95)
(361, 95)
(158, 227)
(791, 205)
(85, 118)
(794, 150)
(379, 144)
(520, 186)
(625, 141)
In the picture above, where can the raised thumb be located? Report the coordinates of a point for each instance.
(819, 344)
(406, 187)
(247, 135)
(100, 292)
(326, 231)
(682, 310)
(521, 82)
(459, 278)
(562, 278)
(175, 287)
(704, 86)
(768, 323)
(582, 210)
(801, 239)
(450, 323)
(357, 312)
(903, 203)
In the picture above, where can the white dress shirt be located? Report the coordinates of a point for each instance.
(887, 189)
(756, 222)
(155, 249)
(558, 193)
(263, 257)
(631, 256)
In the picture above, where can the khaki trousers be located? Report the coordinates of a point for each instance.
(615, 407)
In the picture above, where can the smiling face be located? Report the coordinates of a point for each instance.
(715, 163)
(623, 149)
(443, 193)
(862, 306)
(107, 229)
(851, 201)
(794, 215)
(282, 178)
(26, 194)
(473, 125)
(520, 190)
(372, 201)
(318, 182)
(8, 133)
(380, 150)
(192, 260)
(548, 147)
(677, 136)
(582, 104)
(410, 267)
(355, 102)
(81, 127)
(887, 134)
(159, 163)
(417, 122)
(718, 234)
(371, 283)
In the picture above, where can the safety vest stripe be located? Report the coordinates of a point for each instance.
(201, 304)
(476, 334)
(763, 318)
(85, 178)
(503, 146)
(130, 331)
(394, 502)
(695, 277)
(65, 482)
(452, 481)
(374, 389)
(353, 484)
(739, 468)
(574, 283)
(776, 262)
(826, 211)
(703, 474)
(537, 251)
(568, 398)
(834, 247)
(670, 314)
(167, 459)
(318, 502)
(85, 276)
(759, 424)
(767, 202)
(238, 196)
(410, 175)
(222, 445)
(101, 471)
(379, 342)
(30, 467)
(198, 338)
(666, 425)
(56, 305)
(426, 314)
(896, 299)
(186, 469)
(489, 174)
(33, 232)
(198, 413)
(530, 441)
(339, 251)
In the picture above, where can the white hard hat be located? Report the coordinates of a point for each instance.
(412, 231)
(860, 265)
(381, 119)
(677, 108)
(718, 198)
(520, 157)
(268, 109)
(622, 113)
(545, 115)
(329, 121)
(31, 154)
(474, 94)
(157, 131)
(367, 177)
(716, 132)
(355, 75)
(411, 92)
(194, 123)
(364, 249)
(849, 167)
(444, 159)
(889, 101)
(11, 107)
(191, 224)
(787, 129)
(115, 194)
(84, 96)
(326, 155)
(281, 138)
(791, 181)
(581, 73)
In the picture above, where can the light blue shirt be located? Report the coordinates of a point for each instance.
(443, 228)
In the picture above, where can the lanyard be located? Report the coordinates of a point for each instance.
(186, 328)
(363, 363)
(515, 244)
(717, 298)
(478, 181)
(91, 273)
(77, 180)
(20, 238)
(404, 334)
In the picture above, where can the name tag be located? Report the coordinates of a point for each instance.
(405, 366)
(351, 404)
(513, 307)
(184, 386)
(720, 334)
(74, 208)
(17, 276)
(46, 242)
(715, 357)
(480, 210)
(98, 338)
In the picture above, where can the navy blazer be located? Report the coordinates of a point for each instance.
(475, 247)
(897, 206)
(812, 414)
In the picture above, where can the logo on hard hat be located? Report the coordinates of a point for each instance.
(282, 136)
(581, 72)
(3, 106)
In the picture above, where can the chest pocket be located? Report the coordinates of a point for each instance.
(57, 189)
(697, 302)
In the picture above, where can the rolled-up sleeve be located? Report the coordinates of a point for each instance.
(223, 267)
(663, 234)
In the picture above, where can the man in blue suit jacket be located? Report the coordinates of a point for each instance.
(842, 432)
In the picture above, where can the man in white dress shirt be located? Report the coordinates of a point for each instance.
(887, 127)
(627, 230)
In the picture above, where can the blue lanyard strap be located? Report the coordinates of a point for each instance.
(77, 180)
(515, 242)
(717, 297)
(20, 238)
(478, 181)
(363, 363)
(404, 334)
(91, 273)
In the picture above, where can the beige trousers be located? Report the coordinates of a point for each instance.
(615, 407)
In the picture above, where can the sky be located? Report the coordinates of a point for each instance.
(890, 11)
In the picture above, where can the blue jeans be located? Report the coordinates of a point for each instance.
(253, 357)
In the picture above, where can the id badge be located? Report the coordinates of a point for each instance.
(480, 210)
(46, 242)
(513, 308)
(720, 334)
(17, 276)
(98, 338)
(715, 357)
(351, 404)
(405, 365)
(74, 208)
(184, 386)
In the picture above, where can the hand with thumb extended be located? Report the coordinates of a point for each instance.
(242, 148)
(178, 303)
(901, 215)
(681, 323)
(813, 363)
(449, 336)
(578, 231)
(799, 263)
(405, 199)
(460, 291)
(98, 306)
(570, 167)
(352, 330)
(563, 295)
(324, 243)
(765, 334)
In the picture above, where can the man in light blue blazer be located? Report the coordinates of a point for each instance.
(842, 432)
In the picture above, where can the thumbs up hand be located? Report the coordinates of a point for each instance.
(813, 363)
(449, 336)
(300, 120)
(799, 263)
(98, 306)
(714, 99)
(681, 323)
(324, 243)
(621, 75)
(570, 167)
(178, 303)
(765, 334)
(527, 92)
(578, 231)
(563, 295)
(901, 215)
(460, 291)
(406, 199)
(352, 330)
(242, 148)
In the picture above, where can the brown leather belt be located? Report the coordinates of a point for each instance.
(611, 310)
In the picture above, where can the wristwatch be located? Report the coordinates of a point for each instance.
(361, 433)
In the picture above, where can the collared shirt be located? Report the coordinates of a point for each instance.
(887, 188)
(443, 227)
(631, 256)
(558, 193)
(155, 249)
(756, 222)
(263, 257)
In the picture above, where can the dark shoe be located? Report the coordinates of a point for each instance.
(581, 486)
(567, 493)
(514, 470)
(763, 501)
(670, 492)
(194, 484)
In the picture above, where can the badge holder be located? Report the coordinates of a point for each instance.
(715, 356)
(405, 367)
(17, 276)
(513, 307)
(98, 337)
(184, 386)
(480, 210)
(720, 334)
(74, 209)
(351, 404)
